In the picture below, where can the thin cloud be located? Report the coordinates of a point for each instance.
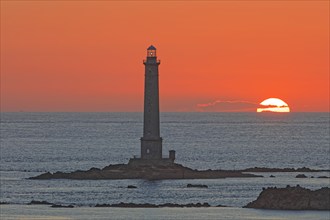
(228, 106)
(272, 106)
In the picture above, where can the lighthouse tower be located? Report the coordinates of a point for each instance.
(151, 142)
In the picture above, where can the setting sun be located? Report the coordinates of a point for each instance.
(273, 105)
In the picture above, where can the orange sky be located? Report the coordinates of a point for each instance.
(216, 55)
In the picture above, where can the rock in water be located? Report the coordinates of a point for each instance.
(292, 198)
(301, 176)
(196, 185)
(35, 202)
(62, 206)
(324, 177)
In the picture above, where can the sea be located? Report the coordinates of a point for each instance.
(34, 143)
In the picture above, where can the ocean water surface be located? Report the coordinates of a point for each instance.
(32, 143)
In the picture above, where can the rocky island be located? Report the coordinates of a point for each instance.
(150, 171)
(292, 198)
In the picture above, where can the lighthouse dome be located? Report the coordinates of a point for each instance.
(151, 48)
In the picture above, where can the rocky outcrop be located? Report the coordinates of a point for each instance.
(148, 205)
(301, 176)
(323, 177)
(128, 205)
(52, 205)
(196, 186)
(292, 198)
(34, 202)
(62, 206)
(265, 169)
(144, 170)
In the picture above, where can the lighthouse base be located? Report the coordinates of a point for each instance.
(151, 148)
(138, 162)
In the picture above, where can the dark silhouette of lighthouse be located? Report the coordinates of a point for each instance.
(151, 142)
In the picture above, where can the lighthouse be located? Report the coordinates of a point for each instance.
(151, 142)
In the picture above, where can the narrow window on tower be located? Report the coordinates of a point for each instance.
(148, 151)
